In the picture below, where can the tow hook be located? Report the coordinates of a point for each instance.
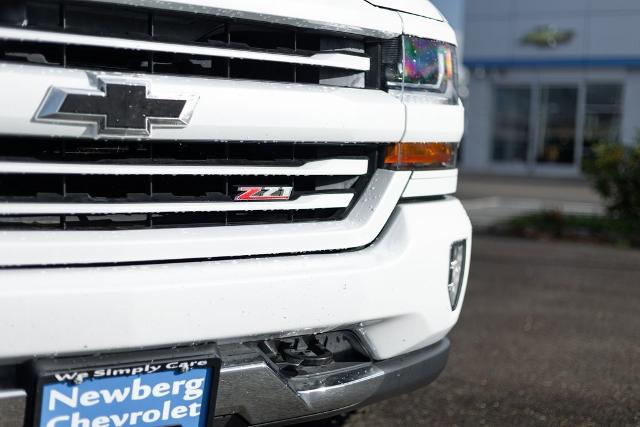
(307, 351)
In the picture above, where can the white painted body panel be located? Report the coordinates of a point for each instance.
(232, 110)
(243, 110)
(390, 287)
(427, 122)
(414, 7)
(431, 183)
(396, 288)
(427, 28)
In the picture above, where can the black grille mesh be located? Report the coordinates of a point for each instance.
(170, 26)
(147, 24)
(75, 188)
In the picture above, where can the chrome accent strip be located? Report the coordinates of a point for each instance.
(313, 168)
(321, 59)
(12, 408)
(10, 394)
(313, 201)
(330, 391)
(251, 387)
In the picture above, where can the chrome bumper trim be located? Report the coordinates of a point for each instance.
(12, 408)
(253, 389)
(332, 391)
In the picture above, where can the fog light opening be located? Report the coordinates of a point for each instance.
(457, 262)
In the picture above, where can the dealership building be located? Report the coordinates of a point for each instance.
(547, 79)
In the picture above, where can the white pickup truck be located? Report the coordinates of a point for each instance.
(224, 212)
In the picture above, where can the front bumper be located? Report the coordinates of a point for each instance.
(252, 392)
(392, 295)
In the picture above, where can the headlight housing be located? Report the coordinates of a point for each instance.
(426, 66)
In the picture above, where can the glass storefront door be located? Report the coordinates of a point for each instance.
(546, 127)
(556, 141)
(512, 109)
(603, 115)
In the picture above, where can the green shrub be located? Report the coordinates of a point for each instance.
(614, 170)
(557, 225)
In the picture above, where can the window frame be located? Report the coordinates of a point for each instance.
(531, 165)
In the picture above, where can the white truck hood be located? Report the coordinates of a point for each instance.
(415, 7)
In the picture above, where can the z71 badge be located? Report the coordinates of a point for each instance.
(247, 194)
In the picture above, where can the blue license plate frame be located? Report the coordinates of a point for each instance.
(113, 387)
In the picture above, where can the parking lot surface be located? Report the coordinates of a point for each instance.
(550, 335)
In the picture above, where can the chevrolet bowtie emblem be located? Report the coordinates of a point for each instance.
(117, 107)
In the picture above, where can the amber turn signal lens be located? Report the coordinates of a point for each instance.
(427, 155)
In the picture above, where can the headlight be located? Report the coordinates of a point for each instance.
(426, 66)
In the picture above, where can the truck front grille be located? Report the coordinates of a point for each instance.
(91, 35)
(115, 184)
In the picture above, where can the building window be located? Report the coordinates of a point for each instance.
(539, 124)
(511, 124)
(557, 133)
(603, 118)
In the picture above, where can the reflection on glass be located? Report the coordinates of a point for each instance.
(511, 124)
(603, 115)
(558, 115)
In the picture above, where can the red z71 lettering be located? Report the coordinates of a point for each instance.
(263, 193)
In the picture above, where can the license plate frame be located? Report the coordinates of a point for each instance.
(185, 363)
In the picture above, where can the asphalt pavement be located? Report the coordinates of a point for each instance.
(549, 336)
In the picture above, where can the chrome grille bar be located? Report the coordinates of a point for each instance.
(84, 184)
(321, 59)
(313, 168)
(313, 201)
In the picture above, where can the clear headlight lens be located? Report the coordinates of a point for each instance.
(428, 66)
